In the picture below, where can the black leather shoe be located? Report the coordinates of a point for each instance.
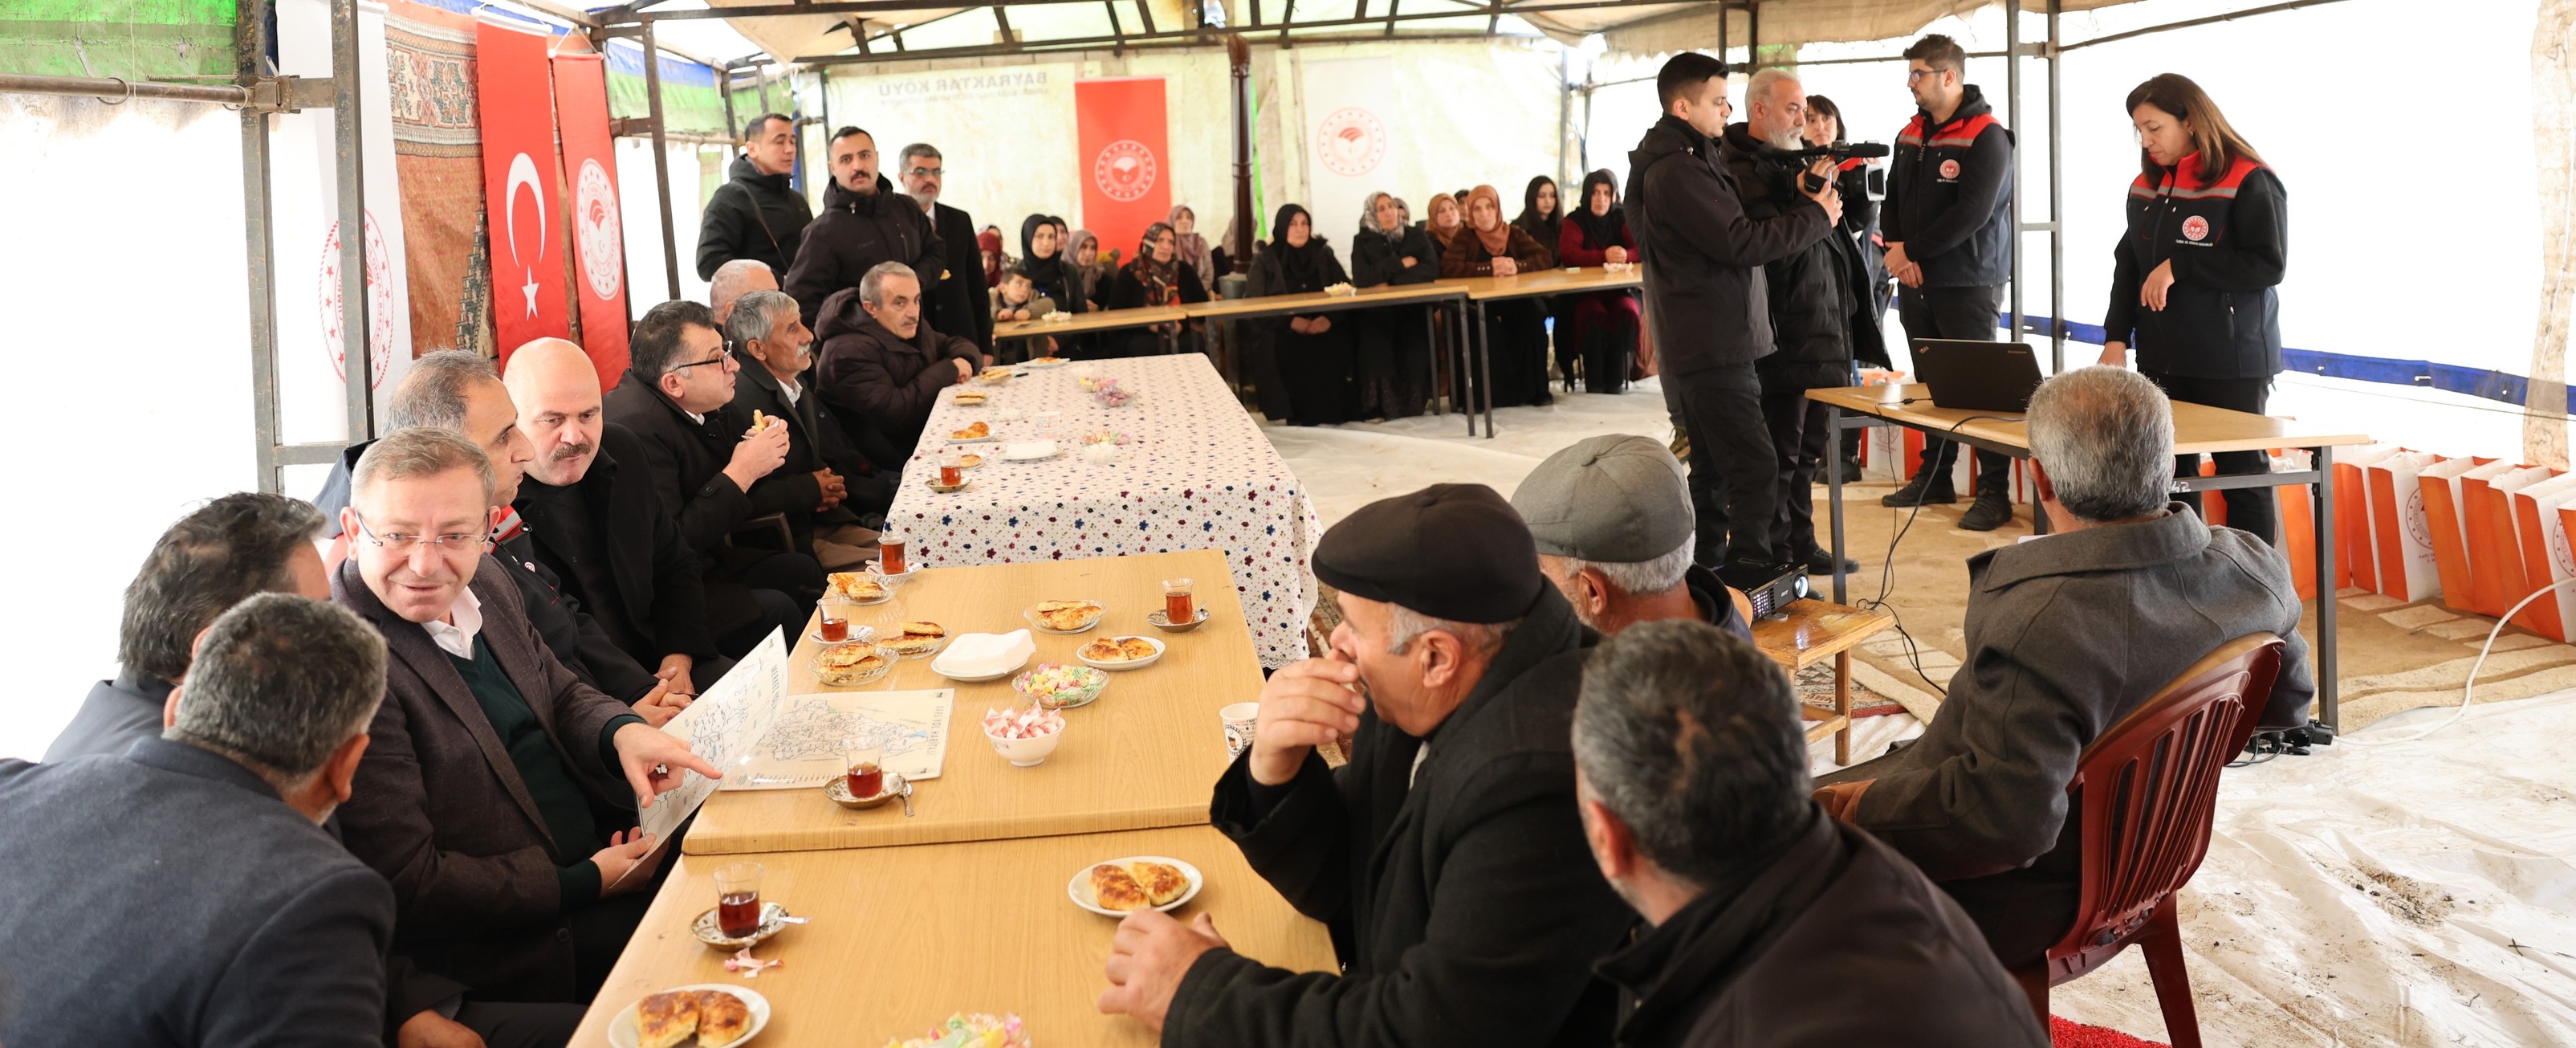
(1851, 471)
(1926, 489)
(1820, 561)
(1988, 513)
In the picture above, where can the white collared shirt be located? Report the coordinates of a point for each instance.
(1419, 756)
(458, 639)
(791, 389)
(694, 416)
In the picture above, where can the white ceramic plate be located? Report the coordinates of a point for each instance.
(1042, 365)
(985, 439)
(622, 1032)
(938, 666)
(1079, 888)
(1127, 664)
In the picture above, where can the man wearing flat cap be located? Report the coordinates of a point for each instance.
(1447, 857)
(1612, 520)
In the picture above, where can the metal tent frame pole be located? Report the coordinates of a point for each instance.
(357, 351)
(662, 154)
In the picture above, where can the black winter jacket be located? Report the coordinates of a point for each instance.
(1815, 293)
(755, 216)
(1949, 196)
(1375, 260)
(1705, 292)
(872, 377)
(2229, 242)
(852, 235)
(961, 304)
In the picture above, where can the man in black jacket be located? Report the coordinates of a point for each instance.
(757, 215)
(839, 486)
(1950, 246)
(225, 552)
(182, 893)
(1710, 307)
(882, 366)
(864, 224)
(1816, 310)
(1767, 922)
(593, 518)
(1447, 856)
(461, 393)
(962, 304)
(708, 466)
(2066, 636)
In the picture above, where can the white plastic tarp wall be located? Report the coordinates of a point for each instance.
(305, 200)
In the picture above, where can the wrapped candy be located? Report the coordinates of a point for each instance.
(1031, 723)
(977, 1030)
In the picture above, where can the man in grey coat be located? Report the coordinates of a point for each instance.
(2066, 635)
(183, 892)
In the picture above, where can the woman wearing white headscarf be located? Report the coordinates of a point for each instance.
(1394, 345)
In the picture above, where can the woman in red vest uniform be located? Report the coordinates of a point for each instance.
(2194, 284)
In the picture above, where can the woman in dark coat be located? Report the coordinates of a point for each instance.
(1394, 344)
(1155, 277)
(1516, 330)
(2195, 282)
(1604, 323)
(1311, 355)
(1543, 218)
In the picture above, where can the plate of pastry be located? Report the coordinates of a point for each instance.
(1043, 363)
(992, 376)
(970, 460)
(1063, 616)
(916, 640)
(708, 1015)
(1118, 887)
(979, 432)
(853, 664)
(969, 398)
(1120, 653)
(861, 586)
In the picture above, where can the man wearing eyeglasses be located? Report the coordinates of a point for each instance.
(711, 468)
(493, 792)
(959, 305)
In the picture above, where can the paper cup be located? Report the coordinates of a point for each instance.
(1239, 719)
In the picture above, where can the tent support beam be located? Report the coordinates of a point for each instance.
(357, 352)
(258, 265)
(1190, 37)
(661, 157)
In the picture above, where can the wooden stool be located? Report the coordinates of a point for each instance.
(1804, 634)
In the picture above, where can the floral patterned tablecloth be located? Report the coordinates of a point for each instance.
(1196, 473)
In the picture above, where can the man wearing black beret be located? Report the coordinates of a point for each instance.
(1447, 857)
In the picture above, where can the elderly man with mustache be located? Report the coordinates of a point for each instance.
(593, 518)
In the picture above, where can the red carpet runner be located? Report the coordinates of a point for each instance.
(2065, 1034)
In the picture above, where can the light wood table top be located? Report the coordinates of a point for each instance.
(2198, 428)
(1545, 282)
(900, 938)
(1810, 631)
(1146, 754)
(1095, 320)
(1320, 302)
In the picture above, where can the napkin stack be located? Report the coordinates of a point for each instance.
(985, 654)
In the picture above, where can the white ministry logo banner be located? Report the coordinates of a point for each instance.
(1351, 129)
(304, 196)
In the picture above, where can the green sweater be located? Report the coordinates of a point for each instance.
(545, 770)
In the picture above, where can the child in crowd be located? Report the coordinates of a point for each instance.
(1015, 299)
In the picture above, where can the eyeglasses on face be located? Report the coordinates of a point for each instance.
(402, 543)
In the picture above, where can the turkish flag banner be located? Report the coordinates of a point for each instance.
(521, 199)
(599, 254)
(1126, 177)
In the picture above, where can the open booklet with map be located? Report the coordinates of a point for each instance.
(762, 738)
(803, 748)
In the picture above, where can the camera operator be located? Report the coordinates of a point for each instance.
(1710, 306)
(1817, 312)
(1860, 222)
(1949, 244)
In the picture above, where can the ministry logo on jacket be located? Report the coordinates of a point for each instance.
(1124, 170)
(2195, 229)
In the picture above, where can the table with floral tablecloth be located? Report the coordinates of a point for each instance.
(1195, 473)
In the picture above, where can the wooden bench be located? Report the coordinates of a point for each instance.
(1806, 633)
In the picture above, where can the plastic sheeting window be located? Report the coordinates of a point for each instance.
(133, 39)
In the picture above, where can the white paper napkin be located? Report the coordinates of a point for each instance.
(982, 654)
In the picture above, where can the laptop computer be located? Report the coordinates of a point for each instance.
(1968, 375)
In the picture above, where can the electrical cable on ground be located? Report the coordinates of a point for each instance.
(2468, 688)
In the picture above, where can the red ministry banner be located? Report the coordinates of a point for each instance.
(590, 164)
(521, 199)
(1126, 173)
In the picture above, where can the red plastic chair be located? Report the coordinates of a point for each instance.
(2148, 791)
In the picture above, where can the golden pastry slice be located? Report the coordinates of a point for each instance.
(1113, 888)
(923, 629)
(1163, 882)
(972, 432)
(1136, 648)
(722, 1018)
(666, 1019)
(857, 585)
(970, 461)
(1103, 650)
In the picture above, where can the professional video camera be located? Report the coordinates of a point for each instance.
(1840, 153)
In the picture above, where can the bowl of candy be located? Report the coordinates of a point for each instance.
(1057, 686)
(1024, 737)
(1106, 391)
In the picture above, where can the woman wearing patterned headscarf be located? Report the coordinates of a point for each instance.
(1393, 345)
(1604, 323)
(1190, 245)
(1311, 355)
(1516, 328)
(1155, 277)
